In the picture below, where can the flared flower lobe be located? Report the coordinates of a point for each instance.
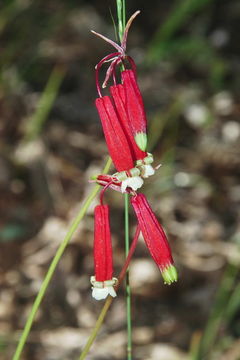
(154, 237)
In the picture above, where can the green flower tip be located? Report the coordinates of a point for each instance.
(169, 275)
(94, 177)
(141, 140)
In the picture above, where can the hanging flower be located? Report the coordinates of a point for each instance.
(118, 145)
(120, 100)
(155, 238)
(103, 282)
(123, 107)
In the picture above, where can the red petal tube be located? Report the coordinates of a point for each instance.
(152, 231)
(102, 244)
(119, 98)
(116, 140)
(134, 103)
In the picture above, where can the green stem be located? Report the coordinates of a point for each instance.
(128, 288)
(121, 12)
(53, 266)
(97, 327)
(124, 14)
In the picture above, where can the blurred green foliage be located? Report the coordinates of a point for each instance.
(194, 48)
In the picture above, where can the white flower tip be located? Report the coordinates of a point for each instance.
(101, 294)
(134, 183)
(148, 171)
(101, 289)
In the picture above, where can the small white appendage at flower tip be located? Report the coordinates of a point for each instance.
(148, 170)
(134, 183)
(100, 294)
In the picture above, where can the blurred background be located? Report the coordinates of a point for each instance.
(187, 53)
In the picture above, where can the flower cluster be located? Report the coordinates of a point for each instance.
(124, 124)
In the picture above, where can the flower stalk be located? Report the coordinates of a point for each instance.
(128, 287)
(124, 125)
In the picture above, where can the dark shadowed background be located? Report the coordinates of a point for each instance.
(51, 143)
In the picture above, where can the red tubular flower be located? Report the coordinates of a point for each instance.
(142, 158)
(135, 108)
(102, 281)
(119, 97)
(118, 145)
(154, 237)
